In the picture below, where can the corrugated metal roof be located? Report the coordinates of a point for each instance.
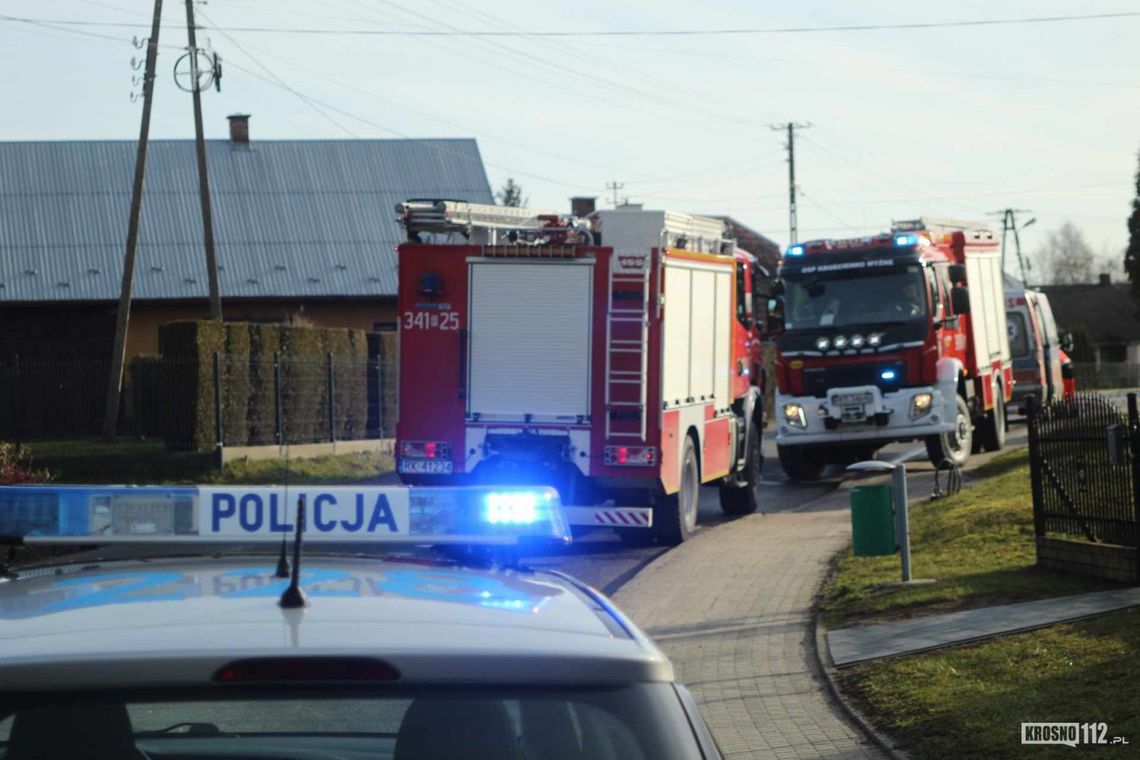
(293, 218)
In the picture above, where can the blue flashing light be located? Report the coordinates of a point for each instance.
(887, 374)
(512, 507)
(796, 250)
(904, 240)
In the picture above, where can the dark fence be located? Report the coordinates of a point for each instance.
(235, 399)
(1082, 489)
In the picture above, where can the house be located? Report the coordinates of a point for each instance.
(1104, 315)
(305, 233)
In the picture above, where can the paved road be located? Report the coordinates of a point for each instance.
(600, 559)
(732, 610)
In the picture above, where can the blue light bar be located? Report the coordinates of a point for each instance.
(334, 514)
(887, 374)
(904, 240)
(796, 250)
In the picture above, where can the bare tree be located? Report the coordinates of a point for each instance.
(1066, 258)
(510, 194)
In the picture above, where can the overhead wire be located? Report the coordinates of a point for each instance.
(317, 109)
(722, 32)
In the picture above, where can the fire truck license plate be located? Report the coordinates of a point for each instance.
(425, 466)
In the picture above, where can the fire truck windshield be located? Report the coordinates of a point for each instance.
(843, 299)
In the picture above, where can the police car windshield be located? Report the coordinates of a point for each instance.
(814, 301)
(639, 721)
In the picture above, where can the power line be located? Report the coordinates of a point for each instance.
(634, 32)
(281, 82)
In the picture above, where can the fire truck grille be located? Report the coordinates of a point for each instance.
(818, 380)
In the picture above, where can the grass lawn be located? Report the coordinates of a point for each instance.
(970, 701)
(978, 546)
(145, 462)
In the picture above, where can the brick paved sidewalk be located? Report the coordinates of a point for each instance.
(731, 608)
(860, 643)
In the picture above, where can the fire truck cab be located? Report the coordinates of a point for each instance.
(896, 337)
(612, 357)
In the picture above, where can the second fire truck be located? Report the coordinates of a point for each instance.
(613, 357)
(896, 337)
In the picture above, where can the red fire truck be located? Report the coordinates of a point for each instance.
(613, 357)
(896, 337)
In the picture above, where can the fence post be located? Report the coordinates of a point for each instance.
(277, 426)
(1032, 415)
(1134, 463)
(219, 438)
(332, 403)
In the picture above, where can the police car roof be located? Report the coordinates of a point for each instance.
(177, 622)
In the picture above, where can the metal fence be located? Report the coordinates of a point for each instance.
(1106, 375)
(1080, 488)
(237, 400)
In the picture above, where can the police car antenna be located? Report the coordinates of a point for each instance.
(293, 597)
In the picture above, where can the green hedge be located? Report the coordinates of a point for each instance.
(188, 350)
(265, 341)
(249, 387)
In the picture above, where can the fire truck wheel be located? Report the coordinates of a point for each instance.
(675, 516)
(993, 426)
(741, 495)
(956, 445)
(801, 462)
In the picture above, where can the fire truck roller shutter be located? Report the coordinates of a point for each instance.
(530, 331)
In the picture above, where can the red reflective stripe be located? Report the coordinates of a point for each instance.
(623, 518)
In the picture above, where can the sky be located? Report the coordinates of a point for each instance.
(947, 122)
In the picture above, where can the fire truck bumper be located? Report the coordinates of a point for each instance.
(610, 517)
(865, 413)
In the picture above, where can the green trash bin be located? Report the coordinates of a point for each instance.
(872, 521)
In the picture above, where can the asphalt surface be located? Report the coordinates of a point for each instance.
(600, 559)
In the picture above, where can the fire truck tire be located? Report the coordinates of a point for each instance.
(957, 445)
(801, 462)
(741, 496)
(993, 426)
(675, 515)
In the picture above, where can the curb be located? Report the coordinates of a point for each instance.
(823, 664)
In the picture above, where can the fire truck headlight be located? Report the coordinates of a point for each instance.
(856, 341)
(874, 339)
(920, 405)
(822, 344)
(840, 342)
(794, 416)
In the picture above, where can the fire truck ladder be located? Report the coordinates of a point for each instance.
(627, 353)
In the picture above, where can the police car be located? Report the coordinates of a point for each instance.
(238, 625)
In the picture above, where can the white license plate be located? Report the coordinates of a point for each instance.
(851, 399)
(425, 466)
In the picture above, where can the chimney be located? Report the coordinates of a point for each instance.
(1105, 279)
(582, 206)
(239, 128)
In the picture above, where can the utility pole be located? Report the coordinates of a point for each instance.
(793, 227)
(615, 186)
(1009, 224)
(122, 320)
(203, 178)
